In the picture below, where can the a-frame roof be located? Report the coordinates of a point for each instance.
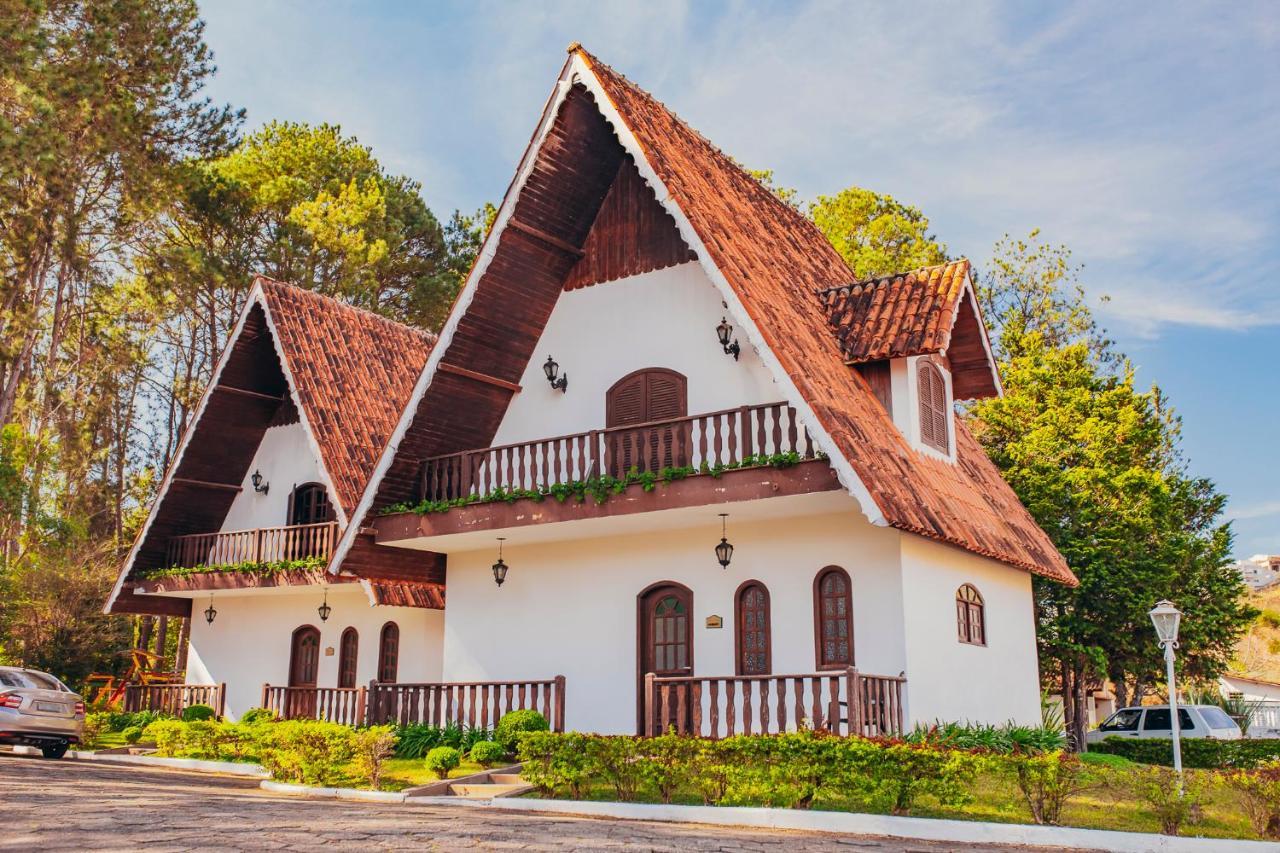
(344, 373)
(769, 264)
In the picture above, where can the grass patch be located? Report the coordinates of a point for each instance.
(1102, 759)
(401, 773)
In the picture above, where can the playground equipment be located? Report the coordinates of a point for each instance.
(109, 688)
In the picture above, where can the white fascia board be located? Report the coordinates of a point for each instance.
(487, 252)
(255, 295)
(844, 470)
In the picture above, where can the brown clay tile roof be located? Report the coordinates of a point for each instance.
(407, 594)
(353, 372)
(776, 260)
(897, 315)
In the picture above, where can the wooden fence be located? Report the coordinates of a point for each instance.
(344, 705)
(172, 699)
(839, 701)
(716, 438)
(475, 704)
(260, 545)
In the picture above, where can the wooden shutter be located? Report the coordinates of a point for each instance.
(933, 407)
(654, 394)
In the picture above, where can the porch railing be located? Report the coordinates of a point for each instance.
(260, 545)
(842, 702)
(344, 705)
(725, 437)
(475, 704)
(173, 699)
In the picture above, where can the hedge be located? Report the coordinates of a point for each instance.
(1201, 753)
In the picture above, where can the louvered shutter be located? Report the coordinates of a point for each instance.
(933, 407)
(666, 402)
(644, 397)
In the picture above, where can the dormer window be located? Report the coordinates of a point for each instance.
(934, 412)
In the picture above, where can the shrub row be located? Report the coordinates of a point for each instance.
(1201, 753)
(1006, 738)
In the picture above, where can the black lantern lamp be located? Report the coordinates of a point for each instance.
(724, 332)
(324, 609)
(552, 369)
(500, 567)
(209, 613)
(258, 485)
(724, 551)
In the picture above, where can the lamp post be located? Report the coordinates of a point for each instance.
(1165, 617)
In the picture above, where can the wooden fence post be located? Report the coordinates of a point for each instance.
(648, 704)
(360, 707)
(854, 707)
(222, 699)
(558, 724)
(266, 690)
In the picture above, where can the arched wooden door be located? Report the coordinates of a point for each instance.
(643, 397)
(304, 662)
(665, 641)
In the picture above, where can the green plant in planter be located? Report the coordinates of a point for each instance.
(515, 723)
(192, 713)
(487, 753)
(442, 759)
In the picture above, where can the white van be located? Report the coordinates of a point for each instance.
(1154, 721)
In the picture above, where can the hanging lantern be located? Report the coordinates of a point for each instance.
(209, 613)
(724, 332)
(552, 370)
(500, 567)
(324, 609)
(724, 551)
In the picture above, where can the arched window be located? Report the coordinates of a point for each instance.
(347, 658)
(752, 629)
(389, 653)
(971, 617)
(833, 618)
(934, 420)
(309, 504)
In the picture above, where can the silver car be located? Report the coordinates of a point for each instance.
(38, 710)
(1155, 721)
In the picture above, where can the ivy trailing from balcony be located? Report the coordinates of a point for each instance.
(249, 567)
(602, 487)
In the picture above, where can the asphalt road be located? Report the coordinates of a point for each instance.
(81, 805)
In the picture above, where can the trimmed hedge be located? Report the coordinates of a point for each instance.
(1201, 753)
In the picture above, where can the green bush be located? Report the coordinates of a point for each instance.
(195, 713)
(1259, 793)
(1174, 802)
(442, 759)
(1047, 781)
(306, 751)
(556, 762)
(515, 723)
(487, 753)
(1009, 737)
(416, 740)
(167, 735)
(118, 721)
(371, 748)
(258, 715)
(1201, 753)
(132, 735)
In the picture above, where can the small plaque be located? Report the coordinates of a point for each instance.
(715, 622)
(328, 651)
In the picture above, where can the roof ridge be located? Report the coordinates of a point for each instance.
(871, 281)
(307, 292)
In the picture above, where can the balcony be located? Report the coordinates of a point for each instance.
(259, 545)
(746, 454)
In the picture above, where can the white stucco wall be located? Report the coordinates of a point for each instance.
(248, 643)
(285, 459)
(953, 681)
(601, 333)
(569, 608)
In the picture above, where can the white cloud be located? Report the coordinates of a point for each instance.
(1267, 509)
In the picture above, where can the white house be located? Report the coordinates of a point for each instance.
(667, 463)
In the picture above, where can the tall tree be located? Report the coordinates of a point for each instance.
(1096, 461)
(876, 234)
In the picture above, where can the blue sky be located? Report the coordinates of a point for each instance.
(1144, 136)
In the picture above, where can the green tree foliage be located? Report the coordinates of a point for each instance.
(1096, 461)
(876, 234)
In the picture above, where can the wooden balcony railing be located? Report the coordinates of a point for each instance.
(475, 704)
(716, 438)
(842, 702)
(173, 699)
(344, 705)
(261, 545)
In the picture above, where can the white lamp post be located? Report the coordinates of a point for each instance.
(1166, 618)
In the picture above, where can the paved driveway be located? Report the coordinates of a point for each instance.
(80, 805)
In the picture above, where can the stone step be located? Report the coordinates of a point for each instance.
(472, 791)
(507, 779)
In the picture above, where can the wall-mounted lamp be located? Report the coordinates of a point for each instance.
(552, 369)
(259, 486)
(724, 332)
(324, 609)
(724, 551)
(500, 567)
(209, 613)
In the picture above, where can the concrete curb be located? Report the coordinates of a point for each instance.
(914, 828)
(332, 793)
(229, 768)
